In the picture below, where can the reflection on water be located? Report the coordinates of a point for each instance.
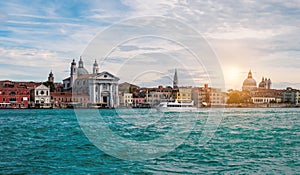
(247, 141)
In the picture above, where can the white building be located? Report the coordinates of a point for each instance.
(42, 97)
(262, 100)
(102, 88)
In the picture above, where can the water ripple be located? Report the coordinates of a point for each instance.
(248, 141)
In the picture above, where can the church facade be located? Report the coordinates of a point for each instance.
(102, 88)
(249, 83)
(262, 93)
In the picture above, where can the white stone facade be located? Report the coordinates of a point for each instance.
(102, 88)
(42, 97)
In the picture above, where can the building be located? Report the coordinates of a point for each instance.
(200, 96)
(61, 99)
(155, 95)
(76, 72)
(127, 88)
(208, 96)
(184, 94)
(138, 102)
(291, 95)
(41, 97)
(100, 88)
(265, 95)
(126, 99)
(217, 97)
(265, 83)
(15, 94)
(249, 83)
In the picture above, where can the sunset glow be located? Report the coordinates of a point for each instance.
(233, 77)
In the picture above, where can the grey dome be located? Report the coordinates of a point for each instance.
(82, 71)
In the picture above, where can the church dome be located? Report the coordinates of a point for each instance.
(249, 83)
(81, 70)
(263, 83)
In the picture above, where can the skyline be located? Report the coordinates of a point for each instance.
(39, 36)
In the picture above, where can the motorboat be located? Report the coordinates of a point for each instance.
(175, 106)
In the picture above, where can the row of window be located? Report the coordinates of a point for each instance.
(13, 93)
(11, 99)
(180, 106)
(69, 99)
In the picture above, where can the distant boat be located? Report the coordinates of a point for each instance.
(175, 106)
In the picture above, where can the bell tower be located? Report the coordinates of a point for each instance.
(73, 73)
(95, 67)
(175, 80)
(51, 77)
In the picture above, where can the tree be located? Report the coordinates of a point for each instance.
(237, 97)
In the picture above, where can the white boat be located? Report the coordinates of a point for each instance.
(175, 106)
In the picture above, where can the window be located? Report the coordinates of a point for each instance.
(12, 99)
(42, 92)
(104, 86)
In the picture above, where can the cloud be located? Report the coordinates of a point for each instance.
(32, 63)
(262, 35)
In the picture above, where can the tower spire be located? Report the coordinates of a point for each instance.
(51, 77)
(175, 80)
(80, 64)
(95, 67)
(250, 74)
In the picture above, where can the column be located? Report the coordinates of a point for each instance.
(99, 93)
(117, 95)
(92, 92)
(111, 96)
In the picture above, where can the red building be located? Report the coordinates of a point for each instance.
(15, 94)
(61, 99)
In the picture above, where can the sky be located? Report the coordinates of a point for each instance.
(39, 36)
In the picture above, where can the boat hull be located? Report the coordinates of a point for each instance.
(183, 109)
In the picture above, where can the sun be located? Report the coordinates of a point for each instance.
(232, 77)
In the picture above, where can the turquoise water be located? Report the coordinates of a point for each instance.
(247, 141)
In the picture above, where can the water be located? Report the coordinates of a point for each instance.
(247, 141)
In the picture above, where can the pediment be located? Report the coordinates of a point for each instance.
(106, 76)
(42, 87)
